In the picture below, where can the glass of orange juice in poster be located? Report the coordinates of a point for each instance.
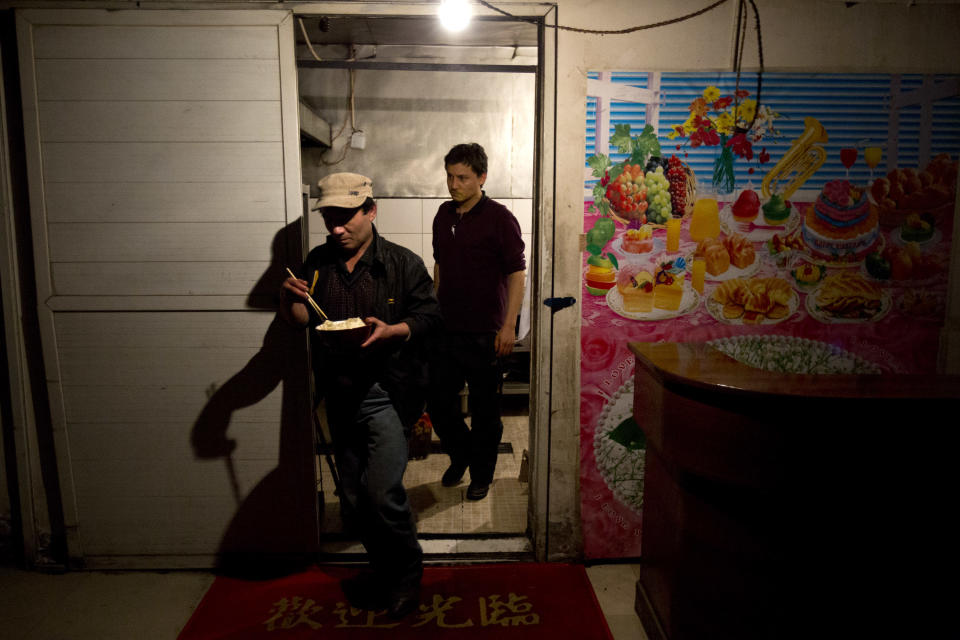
(872, 155)
(706, 219)
(698, 272)
(673, 234)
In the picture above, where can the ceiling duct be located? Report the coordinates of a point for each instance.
(413, 39)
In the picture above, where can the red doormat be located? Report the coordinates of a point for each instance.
(522, 600)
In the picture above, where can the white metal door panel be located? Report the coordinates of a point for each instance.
(163, 162)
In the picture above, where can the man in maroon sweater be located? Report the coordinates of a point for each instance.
(479, 275)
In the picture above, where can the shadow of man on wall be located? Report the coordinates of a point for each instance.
(275, 528)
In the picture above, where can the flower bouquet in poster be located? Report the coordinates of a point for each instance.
(644, 187)
(732, 122)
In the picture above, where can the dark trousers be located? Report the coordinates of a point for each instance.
(371, 451)
(470, 358)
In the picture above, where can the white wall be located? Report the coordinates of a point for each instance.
(798, 35)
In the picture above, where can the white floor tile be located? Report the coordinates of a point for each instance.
(608, 583)
(626, 627)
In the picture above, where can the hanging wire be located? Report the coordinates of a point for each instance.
(738, 59)
(352, 118)
(738, 44)
(352, 115)
(604, 32)
(303, 30)
(756, 24)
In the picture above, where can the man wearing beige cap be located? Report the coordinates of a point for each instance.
(375, 387)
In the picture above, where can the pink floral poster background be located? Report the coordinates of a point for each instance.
(902, 337)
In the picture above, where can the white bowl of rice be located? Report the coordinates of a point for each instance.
(349, 332)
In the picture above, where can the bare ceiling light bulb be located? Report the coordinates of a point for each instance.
(455, 14)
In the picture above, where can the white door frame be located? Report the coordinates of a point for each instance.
(553, 495)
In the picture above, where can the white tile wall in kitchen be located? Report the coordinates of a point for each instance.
(399, 215)
(412, 241)
(430, 206)
(522, 208)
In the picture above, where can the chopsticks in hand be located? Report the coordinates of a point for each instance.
(313, 304)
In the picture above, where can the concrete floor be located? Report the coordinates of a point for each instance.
(153, 605)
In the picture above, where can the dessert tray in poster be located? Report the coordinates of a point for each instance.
(897, 238)
(806, 275)
(721, 311)
(619, 447)
(758, 230)
(789, 354)
(688, 303)
(906, 283)
(731, 272)
(659, 246)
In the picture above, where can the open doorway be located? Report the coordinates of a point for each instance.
(387, 96)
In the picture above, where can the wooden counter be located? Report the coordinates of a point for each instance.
(781, 505)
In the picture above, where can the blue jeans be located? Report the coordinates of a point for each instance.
(371, 451)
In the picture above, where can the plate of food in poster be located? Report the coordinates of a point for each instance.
(727, 257)
(758, 223)
(928, 193)
(917, 228)
(806, 275)
(784, 248)
(619, 447)
(637, 243)
(848, 297)
(904, 266)
(660, 293)
(753, 301)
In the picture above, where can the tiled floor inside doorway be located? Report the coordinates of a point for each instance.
(445, 510)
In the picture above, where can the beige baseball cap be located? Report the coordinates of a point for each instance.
(345, 190)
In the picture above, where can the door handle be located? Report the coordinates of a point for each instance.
(556, 304)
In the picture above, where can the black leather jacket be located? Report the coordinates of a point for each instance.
(403, 293)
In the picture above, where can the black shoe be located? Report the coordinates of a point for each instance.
(453, 475)
(364, 591)
(477, 491)
(403, 602)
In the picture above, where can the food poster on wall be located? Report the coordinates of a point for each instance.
(798, 222)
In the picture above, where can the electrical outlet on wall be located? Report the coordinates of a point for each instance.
(358, 140)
